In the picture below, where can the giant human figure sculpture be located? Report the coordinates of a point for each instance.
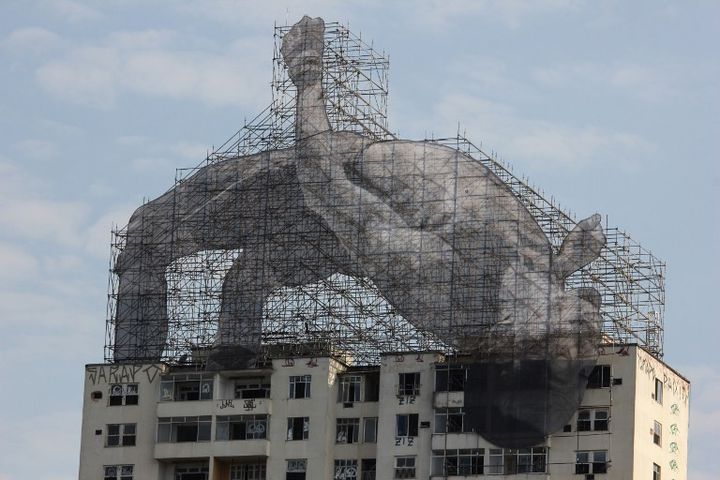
(444, 240)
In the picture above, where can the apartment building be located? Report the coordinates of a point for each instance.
(319, 418)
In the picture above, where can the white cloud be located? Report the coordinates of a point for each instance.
(536, 141)
(73, 11)
(36, 149)
(149, 63)
(644, 82)
(41, 219)
(16, 263)
(88, 76)
(439, 14)
(30, 40)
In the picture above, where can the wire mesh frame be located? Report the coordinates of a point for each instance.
(344, 314)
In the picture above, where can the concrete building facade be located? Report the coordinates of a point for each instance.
(318, 418)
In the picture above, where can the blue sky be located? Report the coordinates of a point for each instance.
(610, 107)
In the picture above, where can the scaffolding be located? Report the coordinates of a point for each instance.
(336, 312)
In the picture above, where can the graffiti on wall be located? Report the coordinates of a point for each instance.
(673, 384)
(101, 374)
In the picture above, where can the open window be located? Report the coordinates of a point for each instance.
(184, 429)
(298, 428)
(449, 379)
(241, 427)
(300, 386)
(182, 388)
(409, 384)
(347, 430)
(599, 377)
(407, 425)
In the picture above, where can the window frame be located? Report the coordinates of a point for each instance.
(658, 395)
(248, 471)
(600, 376)
(594, 421)
(657, 472)
(443, 420)
(405, 466)
(458, 462)
(408, 384)
(183, 388)
(591, 464)
(411, 426)
(304, 425)
(347, 430)
(121, 472)
(346, 464)
(299, 386)
(450, 379)
(167, 428)
(657, 433)
(124, 438)
(256, 427)
(123, 394)
(251, 387)
(350, 388)
(374, 422)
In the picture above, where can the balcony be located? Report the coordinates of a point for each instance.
(448, 399)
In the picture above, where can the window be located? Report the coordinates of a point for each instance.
(347, 430)
(404, 467)
(658, 391)
(656, 472)
(118, 472)
(120, 435)
(184, 429)
(296, 469)
(298, 428)
(599, 377)
(123, 394)
(512, 461)
(495, 464)
(181, 388)
(657, 433)
(449, 379)
(372, 387)
(349, 390)
(300, 386)
(407, 425)
(592, 419)
(458, 462)
(248, 471)
(346, 470)
(370, 429)
(257, 387)
(587, 462)
(191, 472)
(409, 384)
(241, 427)
(449, 420)
(368, 469)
